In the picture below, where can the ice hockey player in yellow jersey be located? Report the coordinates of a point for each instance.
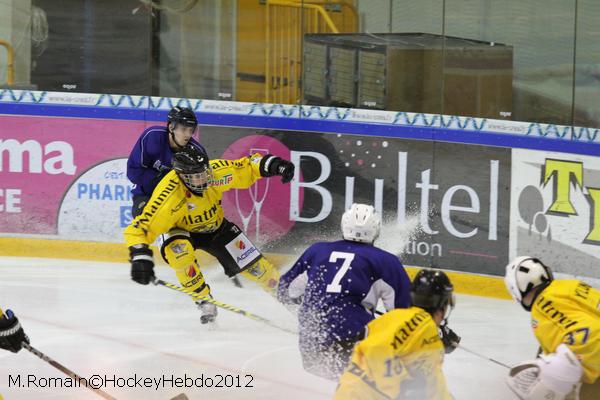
(402, 355)
(11, 333)
(185, 208)
(565, 318)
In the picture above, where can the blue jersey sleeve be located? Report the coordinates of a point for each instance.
(286, 279)
(393, 273)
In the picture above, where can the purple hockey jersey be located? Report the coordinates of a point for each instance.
(345, 280)
(150, 157)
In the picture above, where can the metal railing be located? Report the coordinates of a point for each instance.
(286, 23)
(10, 59)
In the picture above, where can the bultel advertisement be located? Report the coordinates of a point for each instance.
(453, 198)
(556, 210)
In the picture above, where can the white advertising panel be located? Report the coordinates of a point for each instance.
(97, 206)
(555, 210)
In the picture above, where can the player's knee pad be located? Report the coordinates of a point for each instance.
(176, 245)
(553, 376)
(178, 253)
(264, 273)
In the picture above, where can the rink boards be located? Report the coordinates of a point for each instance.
(457, 193)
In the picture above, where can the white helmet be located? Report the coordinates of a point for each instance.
(361, 223)
(523, 274)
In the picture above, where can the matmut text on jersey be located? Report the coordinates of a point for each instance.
(172, 205)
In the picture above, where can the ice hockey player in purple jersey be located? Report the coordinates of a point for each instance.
(343, 282)
(150, 159)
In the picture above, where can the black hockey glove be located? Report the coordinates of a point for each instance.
(11, 333)
(271, 165)
(449, 338)
(142, 264)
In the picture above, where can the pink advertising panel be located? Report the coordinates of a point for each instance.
(42, 159)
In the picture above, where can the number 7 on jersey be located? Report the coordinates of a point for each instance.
(334, 286)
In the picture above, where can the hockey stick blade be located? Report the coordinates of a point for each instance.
(460, 346)
(66, 371)
(222, 305)
(181, 396)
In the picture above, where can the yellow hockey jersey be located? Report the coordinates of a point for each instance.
(172, 205)
(568, 311)
(402, 355)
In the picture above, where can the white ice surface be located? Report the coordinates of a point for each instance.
(93, 319)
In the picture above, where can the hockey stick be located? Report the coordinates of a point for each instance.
(460, 346)
(222, 305)
(67, 371)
